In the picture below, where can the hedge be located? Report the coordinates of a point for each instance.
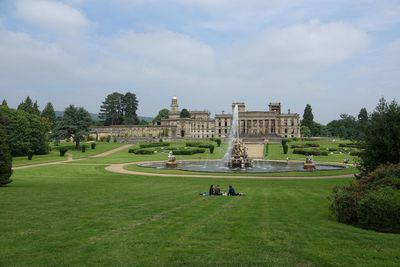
(190, 151)
(155, 144)
(305, 145)
(314, 152)
(142, 151)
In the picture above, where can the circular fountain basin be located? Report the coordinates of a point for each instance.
(259, 166)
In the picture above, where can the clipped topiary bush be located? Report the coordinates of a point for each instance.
(189, 151)
(194, 144)
(154, 144)
(380, 210)
(63, 150)
(29, 154)
(83, 148)
(307, 152)
(143, 151)
(211, 149)
(93, 145)
(285, 148)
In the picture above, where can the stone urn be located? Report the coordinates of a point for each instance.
(171, 163)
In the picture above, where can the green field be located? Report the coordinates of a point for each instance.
(79, 214)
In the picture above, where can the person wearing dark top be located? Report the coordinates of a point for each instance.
(217, 191)
(211, 191)
(231, 191)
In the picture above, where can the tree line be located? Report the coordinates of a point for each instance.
(346, 127)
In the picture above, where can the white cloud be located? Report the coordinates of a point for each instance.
(52, 15)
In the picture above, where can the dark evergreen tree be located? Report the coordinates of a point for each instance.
(363, 116)
(49, 113)
(184, 113)
(381, 139)
(130, 106)
(363, 119)
(5, 159)
(308, 117)
(111, 110)
(74, 124)
(4, 103)
(35, 108)
(27, 105)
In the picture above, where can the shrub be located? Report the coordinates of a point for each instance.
(5, 160)
(266, 148)
(30, 154)
(189, 151)
(380, 210)
(83, 148)
(194, 144)
(312, 145)
(307, 152)
(355, 153)
(93, 145)
(211, 149)
(108, 138)
(351, 145)
(63, 150)
(333, 149)
(218, 140)
(143, 151)
(285, 148)
(305, 145)
(153, 144)
(115, 139)
(344, 204)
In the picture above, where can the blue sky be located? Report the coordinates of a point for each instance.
(338, 56)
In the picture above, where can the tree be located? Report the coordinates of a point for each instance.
(25, 131)
(75, 124)
(27, 105)
(162, 114)
(4, 103)
(184, 113)
(305, 131)
(130, 105)
(5, 159)
(35, 108)
(111, 110)
(308, 117)
(118, 109)
(362, 122)
(346, 127)
(49, 114)
(381, 139)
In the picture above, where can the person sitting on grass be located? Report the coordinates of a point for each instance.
(217, 191)
(211, 190)
(231, 191)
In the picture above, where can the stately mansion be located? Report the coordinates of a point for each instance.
(271, 123)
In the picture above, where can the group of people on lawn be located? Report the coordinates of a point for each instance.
(216, 191)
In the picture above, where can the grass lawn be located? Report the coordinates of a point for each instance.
(54, 154)
(65, 215)
(275, 151)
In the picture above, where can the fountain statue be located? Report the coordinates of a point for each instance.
(309, 163)
(171, 163)
(239, 157)
(236, 155)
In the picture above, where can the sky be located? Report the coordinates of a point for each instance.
(336, 55)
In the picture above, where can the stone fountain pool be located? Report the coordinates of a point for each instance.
(258, 166)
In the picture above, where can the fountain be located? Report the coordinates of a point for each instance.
(236, 159)
(236, 154)
(309, 163)
(171, 163)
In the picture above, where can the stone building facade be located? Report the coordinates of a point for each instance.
(271, 123)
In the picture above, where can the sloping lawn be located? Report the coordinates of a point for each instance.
(74, 215)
